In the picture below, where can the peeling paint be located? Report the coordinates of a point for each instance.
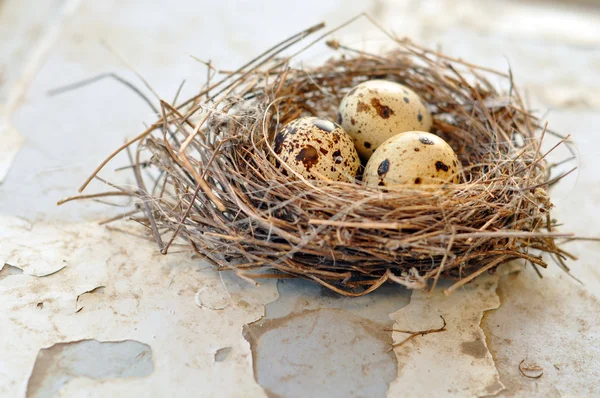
(82, 297)
(222, 354)
(550, 323)
(453, 363)
(8, 270)
(545, 323)
(151, 298)
(316, 343)
(322, 353)
(57, 365)
(27, 246)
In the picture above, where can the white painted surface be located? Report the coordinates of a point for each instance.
(177, 305)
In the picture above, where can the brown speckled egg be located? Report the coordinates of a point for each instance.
(317, 149)
(414, 157)
(376, 110)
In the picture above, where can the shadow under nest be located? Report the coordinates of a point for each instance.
(214, 186)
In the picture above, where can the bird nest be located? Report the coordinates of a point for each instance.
(214, 186)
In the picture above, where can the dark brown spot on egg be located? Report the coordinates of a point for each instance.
(308, 156)
(406, 100)
(455, 163)
(323, 151)
(367, 144)
(417, 149)
(381, 183)
(417, 180)
(425, 140)
(324, 125)
(362, 107)
(382, 110)
(339, 118)
(440, 166)
(420, 117)
(337, 156)
(353, 121)
(383, 168)
(279, 139)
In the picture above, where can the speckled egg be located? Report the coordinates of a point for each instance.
(376, 110)
(317, 149)
(414, 157)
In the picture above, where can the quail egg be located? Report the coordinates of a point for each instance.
(410, 158)
(376, 110)
(317, 149)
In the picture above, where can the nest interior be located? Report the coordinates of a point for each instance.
(204, 176)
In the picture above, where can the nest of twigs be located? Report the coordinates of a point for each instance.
(214, 187)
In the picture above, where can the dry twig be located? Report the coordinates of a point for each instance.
(415, 334)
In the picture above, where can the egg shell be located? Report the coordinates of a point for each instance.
(376, 110)
(412, 158)
(316, 148)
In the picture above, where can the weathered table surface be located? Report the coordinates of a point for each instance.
(88, 311)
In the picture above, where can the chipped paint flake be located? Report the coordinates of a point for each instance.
(83, 298)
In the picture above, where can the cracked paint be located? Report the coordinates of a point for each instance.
(31, 247)
(222, 353)
(83, 298)
(313, 342)
(155, 299)
(452, 363)
(57, 365)
(7, 270)
(147, 297)
(550, 323)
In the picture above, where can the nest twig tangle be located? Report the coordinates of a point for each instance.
(214, 186)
